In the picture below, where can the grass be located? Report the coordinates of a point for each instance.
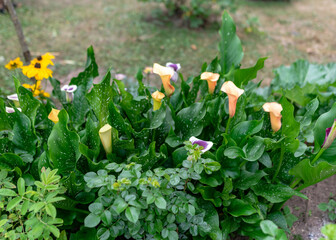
(124, 40)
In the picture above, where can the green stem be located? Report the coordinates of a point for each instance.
(228, 125)
(280, 162)
(296, 182)
(318, 155)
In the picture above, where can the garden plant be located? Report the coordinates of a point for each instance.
(208, 157)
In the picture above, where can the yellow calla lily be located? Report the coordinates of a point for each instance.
(166, 74)
(233, 93)
(105, 134)
(53, 115)
(274, 109)
(212, 79)
(157, 100)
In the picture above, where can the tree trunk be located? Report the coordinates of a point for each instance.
(26, 53)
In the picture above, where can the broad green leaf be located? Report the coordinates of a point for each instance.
(290, 127)
(268, 227)
(231, 51)
(7, 193)
(311, 108)
(241, 77)
(323, 122)
(83, 81)
(239, 208)
(28, 104)
(248, 179)
(209, 194)
(275, 193)
(10, 161)
(189, 121)
(117, 121)
(91, 220)
(13, 203)
(57, 90)
(51, 210)
(254, 149)
(63, 146)
(99, 98)
(245, 129)
(311, 175)
(132, 214)
(160, 202)
(120, 205)
(4, 119)
(21, 186)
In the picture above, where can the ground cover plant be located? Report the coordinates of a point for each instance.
(212, 157)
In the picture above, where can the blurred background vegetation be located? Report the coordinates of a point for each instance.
(130, 34)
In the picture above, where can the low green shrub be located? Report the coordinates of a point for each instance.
(212, 158)
(196, 12)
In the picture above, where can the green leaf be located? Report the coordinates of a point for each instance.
(290, 127)
(51, 210)
(28, 103)
(10, 161)
(325, 121)
(254, 149)
(234, 152)
(132, 214)
(245, 129)
(120, 205)
(99, 98)
(83, 81)
(311, 108)
(160, 202)
(7, 193)
(311, 175)
(21, 186)
(117, 121)
(240, 208)
(57, 90)
(13, 203)
(63, 146)
(268, 227)
(248, 179)
(275, 193)
(96, 208)
(231, 51)
(189, 121)
(241, 77)
(91, 220)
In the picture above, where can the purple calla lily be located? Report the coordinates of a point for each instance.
(11, 110)
(176, 67)
(330, 136)
(120, 76)
(69, 90)
(205, 144)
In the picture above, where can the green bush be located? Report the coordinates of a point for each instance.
(132, 166)
(196, 12)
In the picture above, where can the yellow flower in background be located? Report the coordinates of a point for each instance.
(274, 109)
(148, 70)
(45, 60)
(36, 89)
(53, 115)
(166, 74)
(38, 71)
(13, 64)
(233, 93)
(212, 79)
(157, 100)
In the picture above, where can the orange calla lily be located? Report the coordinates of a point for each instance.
(212, 79)
(166, 74)
(274, 109)
(157, 100)
(53, 115)
(233, 93)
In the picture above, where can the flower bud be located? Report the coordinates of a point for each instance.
(53, 115)
(157, 100)
(105, 134)
(330, 136)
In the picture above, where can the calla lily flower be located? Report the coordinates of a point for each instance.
(15, 99)
(166, 74)
(274, 109)
(330, 136)
(176, 67)
(11, 110)
(205, 144)
(53, 115)
(105, 134)
(233, 93)
(157, 100)
(69, 91)
(212, 79)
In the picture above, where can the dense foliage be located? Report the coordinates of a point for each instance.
(129, 165)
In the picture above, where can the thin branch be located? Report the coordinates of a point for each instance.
(18, 29)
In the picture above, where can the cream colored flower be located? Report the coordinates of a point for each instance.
(105, 134)
(166, 74)
(233, 93)
(274, 109)
(212, 79)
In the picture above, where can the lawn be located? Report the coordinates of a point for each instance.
(126, 37)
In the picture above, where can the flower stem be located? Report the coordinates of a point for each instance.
(228, 125)
(296, 182)
(318, 155)
(280, 162)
